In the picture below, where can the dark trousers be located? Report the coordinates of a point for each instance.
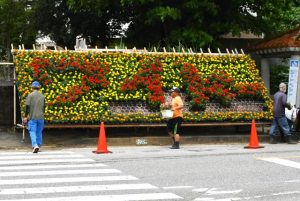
(174, 125)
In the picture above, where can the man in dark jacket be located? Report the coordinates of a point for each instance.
(280, 120)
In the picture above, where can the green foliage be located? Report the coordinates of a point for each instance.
(278, 74)
(99, 21)
(198, 23)
(16, 25)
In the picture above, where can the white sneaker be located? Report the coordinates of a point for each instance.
(35, 149)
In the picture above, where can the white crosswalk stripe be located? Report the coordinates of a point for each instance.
(39, 161)
(65, 180)
(30, 167)
(123, 197)
(64, 176)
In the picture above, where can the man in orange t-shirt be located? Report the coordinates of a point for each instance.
(174, 124)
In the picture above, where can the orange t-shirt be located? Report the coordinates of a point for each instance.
(177, 101)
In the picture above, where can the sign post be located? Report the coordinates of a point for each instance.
(293, 82)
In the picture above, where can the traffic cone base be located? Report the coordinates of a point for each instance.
(253, 144)
(100, 152)
(102, 146)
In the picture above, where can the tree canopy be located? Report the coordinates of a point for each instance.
(194, 23)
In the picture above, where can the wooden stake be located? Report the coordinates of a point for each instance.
(23, 47)
(183, 50)
(55, 48)
(12, 46)
(106, 49)
(242, 51)
(236, 51)
(219, 51)
(201, 50)
(155, 49)
(33, 46)
(174, 50)
(227, 51)
(20, 47)
(165, 51)
(209, 50)
(96, 47)
(66, 48)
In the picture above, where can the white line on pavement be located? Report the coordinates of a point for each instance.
(177, 187)
(59, 172)
(30, 153)
(66, 180)
(123, 197)
(282, 162)
(36, 167)
(19, 162)
(67, 189)
(37, 156)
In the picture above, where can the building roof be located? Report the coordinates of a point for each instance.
(288, 41)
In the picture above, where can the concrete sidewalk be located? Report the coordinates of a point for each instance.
(10, 139)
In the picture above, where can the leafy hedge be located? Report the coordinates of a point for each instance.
(80, 85)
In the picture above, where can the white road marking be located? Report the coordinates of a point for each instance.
(36, 167)
(58, 172)
(124, 197)
(66, 180)
(282, 162)
(177, 187)
(293, 181)
(40, 153)
(37, 156)
(67, 189)
(215, 192)
(19, 162)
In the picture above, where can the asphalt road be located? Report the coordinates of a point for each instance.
(193, 173)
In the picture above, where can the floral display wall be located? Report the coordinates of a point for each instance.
(89, 87)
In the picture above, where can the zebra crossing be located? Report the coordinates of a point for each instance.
(65, 176)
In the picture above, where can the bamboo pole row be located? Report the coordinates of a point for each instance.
(134, 50)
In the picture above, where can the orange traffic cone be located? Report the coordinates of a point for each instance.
(253, 144)
(102, 146)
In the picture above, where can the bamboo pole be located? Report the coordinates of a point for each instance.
(183, 50)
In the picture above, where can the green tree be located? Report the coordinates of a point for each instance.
(199, 23)
(16, 25)
(278, 74)
(98, 21)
